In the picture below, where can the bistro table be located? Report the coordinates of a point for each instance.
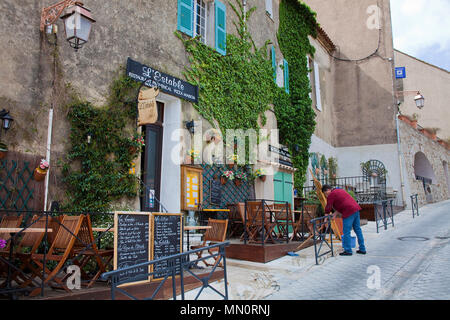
(12, 232)
(202, 220)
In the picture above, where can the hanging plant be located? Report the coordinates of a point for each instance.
(41, 171)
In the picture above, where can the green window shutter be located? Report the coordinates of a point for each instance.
(278, 186)
(286, 75)
(220, 27)
(288, 188)
(186, 16)
(274, 65)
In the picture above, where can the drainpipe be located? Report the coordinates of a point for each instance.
(49, 143)
(399, 149)
(244, 5)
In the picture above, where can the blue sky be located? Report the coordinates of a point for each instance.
(421, 28)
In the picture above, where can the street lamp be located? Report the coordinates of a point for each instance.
(6, 119)
(420, 100)
(77, 21)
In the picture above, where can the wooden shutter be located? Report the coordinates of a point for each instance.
(186, 17)
(220, 27)
(286, 75)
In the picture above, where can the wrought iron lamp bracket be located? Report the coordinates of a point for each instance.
(51, 14)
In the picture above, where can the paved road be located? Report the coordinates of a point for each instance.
(412, 269)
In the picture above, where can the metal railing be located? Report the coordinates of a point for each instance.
(414, 205)
(322, 229)
(384, 213)
(13, 265)
(367, 190)
(177, 265)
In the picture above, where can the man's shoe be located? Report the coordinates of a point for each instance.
(361, 252)
(345, 253)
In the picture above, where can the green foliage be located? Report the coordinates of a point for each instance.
(235, 89)
(296, 118)
(97, 173)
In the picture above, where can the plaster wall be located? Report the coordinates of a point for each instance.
(363, 83)
(434, 84)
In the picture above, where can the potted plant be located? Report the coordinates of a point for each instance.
(431, 133)
(239, 177)
(414, 119)
(192, 155)
(41, 171)
(234, 158)
(260, 173)
(226, 175)
(136, 143)
(3, 150)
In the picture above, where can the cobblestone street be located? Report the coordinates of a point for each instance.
(415, 267)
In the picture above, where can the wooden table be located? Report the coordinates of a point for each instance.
(212, 210)
(13, 231)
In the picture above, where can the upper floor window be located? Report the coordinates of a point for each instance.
(205, 19)
(269, 9)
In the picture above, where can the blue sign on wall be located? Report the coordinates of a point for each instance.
(400, 73)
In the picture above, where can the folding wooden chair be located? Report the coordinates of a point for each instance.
(216, 234)
(255, 223)
(8, 222)
(86, 247)
(283, 219)
(236, 223)
(59, 252)
(30, 243)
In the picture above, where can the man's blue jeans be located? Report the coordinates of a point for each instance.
(348, 224)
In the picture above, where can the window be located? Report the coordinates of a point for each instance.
(317, 86)
(205, 19)
(200, 20)
(269, 10)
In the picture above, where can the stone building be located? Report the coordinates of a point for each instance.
(359, 95)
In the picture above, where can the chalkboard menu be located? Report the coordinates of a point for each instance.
(215, 192)
(166, 239)
(132, 244)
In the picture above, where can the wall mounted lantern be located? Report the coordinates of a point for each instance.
(190, 125)
(6, 119)
(77, 21)
(418, 99)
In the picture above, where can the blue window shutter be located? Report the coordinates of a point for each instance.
(274, 65)
(286, 75)
(186, 17)
(220, 27)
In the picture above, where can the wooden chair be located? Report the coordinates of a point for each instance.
(309, 213)
(255, 224)
(9, 222)
(235, 221)
(85, 247)
(283, 219)
(216, 234)
(60, 250)
(30, 243)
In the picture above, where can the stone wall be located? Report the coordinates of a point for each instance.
(413, 141)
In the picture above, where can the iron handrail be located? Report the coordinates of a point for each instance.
(383, 215)
(176, 262)
(414, 205)
(319, 236)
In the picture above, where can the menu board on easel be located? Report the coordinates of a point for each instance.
(132, 245)
(166, 240)
(191, 187)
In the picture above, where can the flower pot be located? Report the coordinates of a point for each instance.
(132, 150)
(39, 174)
(263, 178)
(3, 154)
(230, 165)
(237, 182)
(223, 180)
(413, 124)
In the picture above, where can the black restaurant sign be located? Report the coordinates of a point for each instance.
(157, 79)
